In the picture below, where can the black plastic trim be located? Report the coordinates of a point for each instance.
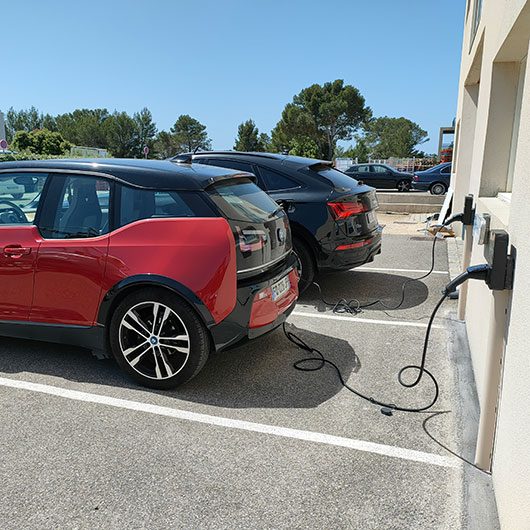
(91, 337)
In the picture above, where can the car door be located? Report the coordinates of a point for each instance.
(19, 242)
(280, 187)
(364, 174)
(383, 178)
(445, 175)
(74, 223)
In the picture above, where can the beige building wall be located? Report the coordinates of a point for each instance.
(492, 161)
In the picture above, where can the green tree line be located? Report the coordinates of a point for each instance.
(312, 124)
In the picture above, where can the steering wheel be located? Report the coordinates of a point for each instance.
(11, 213)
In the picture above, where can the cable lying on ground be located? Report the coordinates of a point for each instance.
(317, 361)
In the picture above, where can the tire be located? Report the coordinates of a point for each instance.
(438, 188)
(307, 268)
(17, 196)
(403, 185)
(156, 358)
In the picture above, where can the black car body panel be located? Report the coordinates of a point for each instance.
(304, 187)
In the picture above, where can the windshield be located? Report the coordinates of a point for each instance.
(241, 200)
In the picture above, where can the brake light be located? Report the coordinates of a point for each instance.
(250, 240)
(343, 210)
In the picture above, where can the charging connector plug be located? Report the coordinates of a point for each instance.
(475, 272)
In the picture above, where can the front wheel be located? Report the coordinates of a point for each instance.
(438, 188)
(403, 185)
(158, 339)
(306, 264)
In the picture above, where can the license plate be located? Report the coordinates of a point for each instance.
(370, 217)
(280, 287)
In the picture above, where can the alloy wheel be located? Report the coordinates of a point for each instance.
(403, 185)
(154, 340)
(438, 189)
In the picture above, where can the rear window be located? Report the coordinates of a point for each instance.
(241, 200)
(336, 178)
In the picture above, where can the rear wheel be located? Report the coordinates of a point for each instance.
(403, 185)
(306, 264)
(158, 339)
(438, 188)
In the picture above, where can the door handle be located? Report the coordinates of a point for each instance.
(15, 251)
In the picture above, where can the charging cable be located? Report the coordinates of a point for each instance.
(318, 361)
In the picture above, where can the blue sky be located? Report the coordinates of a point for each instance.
(223, 62)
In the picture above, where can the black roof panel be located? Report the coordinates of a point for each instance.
(154, 174)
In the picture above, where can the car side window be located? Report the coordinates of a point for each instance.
(275, 181)
(380, 169)
(446, 169)
(363, 169)
(231, 164)
(137, 204)
(19, 197)
(75, 207)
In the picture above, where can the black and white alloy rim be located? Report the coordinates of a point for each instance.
(154, 340)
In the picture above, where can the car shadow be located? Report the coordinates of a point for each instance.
(366, 287)
(258, 374)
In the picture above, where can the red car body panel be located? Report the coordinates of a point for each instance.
(16, 270)
(68, 280)
(199, 253)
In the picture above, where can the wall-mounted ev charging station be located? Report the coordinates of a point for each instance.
(497, 273)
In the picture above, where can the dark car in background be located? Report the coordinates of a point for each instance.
(381, 176)
(332, 216)
(436, 179)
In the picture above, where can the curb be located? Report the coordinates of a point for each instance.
(454, 256)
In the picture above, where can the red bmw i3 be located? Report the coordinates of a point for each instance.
(159, 263)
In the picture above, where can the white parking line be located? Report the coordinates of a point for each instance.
(309, 436)
(354, 319)
(381, 269)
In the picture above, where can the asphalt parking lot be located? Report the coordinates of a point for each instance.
(252, 443)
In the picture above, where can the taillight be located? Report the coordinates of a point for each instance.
(343, 210)
(250, 240)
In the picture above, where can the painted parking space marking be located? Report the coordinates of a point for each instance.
(382, 269)
(359, 320)
(308, 436)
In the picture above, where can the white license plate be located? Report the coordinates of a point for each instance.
(370, 217)
(280, 288)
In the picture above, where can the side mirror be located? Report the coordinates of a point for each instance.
(25, 180)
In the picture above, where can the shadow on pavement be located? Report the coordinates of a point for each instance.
(259, 374)
(366, 287)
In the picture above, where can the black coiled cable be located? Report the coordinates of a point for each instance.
(322, 361)
(354, 307)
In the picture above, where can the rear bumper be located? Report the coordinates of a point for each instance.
(242, 325)
(355, 257)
